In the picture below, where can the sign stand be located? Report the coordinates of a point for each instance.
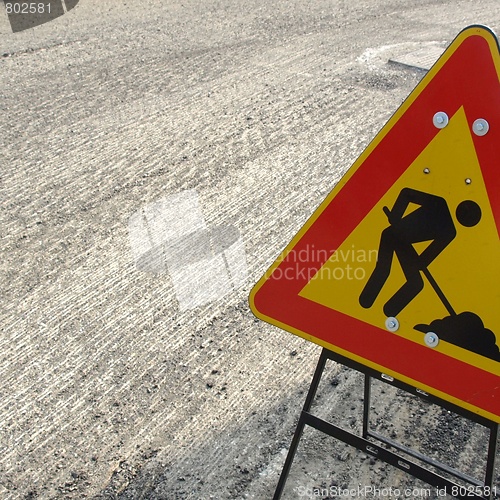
(378, 446)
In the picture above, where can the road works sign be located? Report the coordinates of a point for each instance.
(399, 268)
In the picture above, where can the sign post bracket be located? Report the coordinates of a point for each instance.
(380, 446)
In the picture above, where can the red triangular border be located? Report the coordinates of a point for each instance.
(466, 75)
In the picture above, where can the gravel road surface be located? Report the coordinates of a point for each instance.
(109, 388)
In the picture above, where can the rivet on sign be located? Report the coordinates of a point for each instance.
(480, 127)
(426, 171)
(468, 180)
(431, 339)
(392, 324)
(440, 119)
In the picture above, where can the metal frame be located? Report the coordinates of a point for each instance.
(379, 449)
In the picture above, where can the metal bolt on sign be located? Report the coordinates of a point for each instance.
(480, 127)
(440, 119)
(392, 324)
(431, 339)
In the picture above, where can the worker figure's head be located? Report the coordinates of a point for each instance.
(468, 213)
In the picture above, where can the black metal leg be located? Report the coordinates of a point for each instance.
(492, 450)
(316, 380)
(366, 405)
(300, 425)
(289, 459)
(370, 442)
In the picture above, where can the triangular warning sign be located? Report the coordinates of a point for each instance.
(398, 269)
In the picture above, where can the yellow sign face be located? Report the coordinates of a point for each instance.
(466, 269)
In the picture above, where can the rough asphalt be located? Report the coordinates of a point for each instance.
(108, 389)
